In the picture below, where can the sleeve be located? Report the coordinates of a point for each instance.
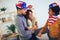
(26, 33)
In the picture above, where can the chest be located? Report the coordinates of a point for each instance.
(54, 25)
(24, 22)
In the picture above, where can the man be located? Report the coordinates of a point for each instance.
(24, 32)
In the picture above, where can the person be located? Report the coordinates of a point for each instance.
(53, 22)
(31, 21)
(21, 25)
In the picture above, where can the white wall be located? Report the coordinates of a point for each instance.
(40, 8)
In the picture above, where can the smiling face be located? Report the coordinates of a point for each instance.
(30, 15)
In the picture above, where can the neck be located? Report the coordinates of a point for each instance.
(19, 12)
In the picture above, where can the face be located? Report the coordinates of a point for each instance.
(50, 12)
(22, 11)
(30, 15)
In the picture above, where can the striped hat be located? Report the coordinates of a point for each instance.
(53, 5)
(21, 5)
(55, 8)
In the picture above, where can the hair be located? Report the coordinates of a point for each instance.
(56, 10)
(27, 13)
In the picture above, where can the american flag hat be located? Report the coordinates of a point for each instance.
(53, 5)
(21, 4)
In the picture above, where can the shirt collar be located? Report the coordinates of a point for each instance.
(20, 15)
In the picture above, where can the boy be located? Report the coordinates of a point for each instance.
(53, 22)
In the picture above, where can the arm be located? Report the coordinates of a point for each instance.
(44, 27)
(32, 25)
(42, 30)
(25, 33)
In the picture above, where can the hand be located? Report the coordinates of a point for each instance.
(34, 27)
(36, 24)
(39, 34)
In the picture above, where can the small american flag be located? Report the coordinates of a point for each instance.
(52, 19)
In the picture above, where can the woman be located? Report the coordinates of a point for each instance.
(31, 22)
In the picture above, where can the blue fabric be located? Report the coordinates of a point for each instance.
(21, 24)
(51, 5)
(24, 5)
(21, 5)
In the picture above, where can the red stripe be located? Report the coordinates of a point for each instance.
(53, 16)
(52, 19)
(50, 22)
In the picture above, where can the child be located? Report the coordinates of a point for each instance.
(53, 22)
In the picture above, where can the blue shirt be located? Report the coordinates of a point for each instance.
(21, 27)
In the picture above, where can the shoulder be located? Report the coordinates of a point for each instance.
(59, 16)
(18, 18)
(29, 21)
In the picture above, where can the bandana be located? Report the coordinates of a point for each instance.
(52, 19)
